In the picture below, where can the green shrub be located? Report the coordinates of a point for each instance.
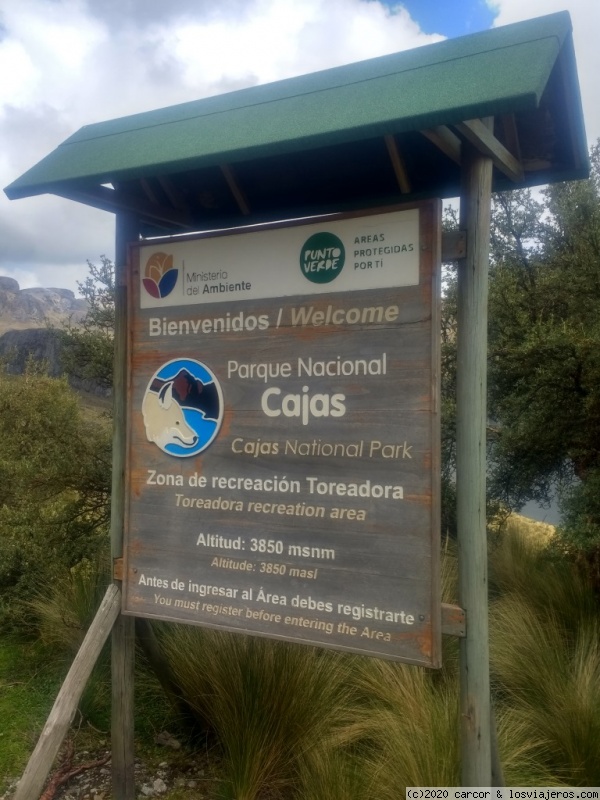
(54, 486)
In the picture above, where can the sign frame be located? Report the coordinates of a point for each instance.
(429, 266)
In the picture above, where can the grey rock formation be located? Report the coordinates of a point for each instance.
(26, 317)
(44, 346)
(39, 344)
(8, 285)
(34, 308)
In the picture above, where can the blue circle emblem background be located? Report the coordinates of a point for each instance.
(183, 407)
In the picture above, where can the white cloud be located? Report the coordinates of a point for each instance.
(67, 63)
(585, 16)
(27, 279)
(18, 73)
(56, 41)
(66, 67)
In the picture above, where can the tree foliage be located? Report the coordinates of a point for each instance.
(448, 384)
(88, 349)
(544, 357)
(544, 354)
(54, 482)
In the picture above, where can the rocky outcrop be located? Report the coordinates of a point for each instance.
(9, 285)
(45, 347)
(42, 345)
(26, 332)
(33, 308)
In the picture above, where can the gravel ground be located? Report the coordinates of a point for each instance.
(189, 776)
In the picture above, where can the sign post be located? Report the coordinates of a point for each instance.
(123, 633)
(283, 451)
(471, 404)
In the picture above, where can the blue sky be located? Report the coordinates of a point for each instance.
(449, 17)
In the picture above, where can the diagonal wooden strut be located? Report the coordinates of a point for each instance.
(56, 727)
(482, 138)
(398, 165)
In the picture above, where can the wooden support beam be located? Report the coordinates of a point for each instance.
(129, 203)
(482, 138)
(511, 135)
(117, 569)
(454, 622)
(447, 141)
(123, 636)
(122, 713)
(236, 190)
(117, 201)
(31, 784)
(471, 420)
(398, 164)
(175, 196)
(454, 245)
(149, 191)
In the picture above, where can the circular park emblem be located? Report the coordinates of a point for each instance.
(182, 408)
(160, 276)
(322, 257)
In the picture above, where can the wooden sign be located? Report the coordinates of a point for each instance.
(283, 444)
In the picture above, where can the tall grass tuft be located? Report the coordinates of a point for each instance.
(338, 773)
(523, 751)
(550, 678)
(411, 718)
(62, 612)
(525, 561)
(60, 615)
(545, 652)
(269, 703)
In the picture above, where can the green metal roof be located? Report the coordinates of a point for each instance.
(325, 123)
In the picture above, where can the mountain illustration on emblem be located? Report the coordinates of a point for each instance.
(191, 392)
(182, 407)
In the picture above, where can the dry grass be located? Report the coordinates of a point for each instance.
(61, 614)
(412, 720)
(545, 648)
(540, 532)
(269, 703)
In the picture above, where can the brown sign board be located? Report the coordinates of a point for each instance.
(283, 432)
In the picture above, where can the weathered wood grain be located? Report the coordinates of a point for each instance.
(122, 716)
(471, 470)
(338, 559)
(122, 653)
(56, 727)
(454, 621)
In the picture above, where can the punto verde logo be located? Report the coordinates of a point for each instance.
(322, 257)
